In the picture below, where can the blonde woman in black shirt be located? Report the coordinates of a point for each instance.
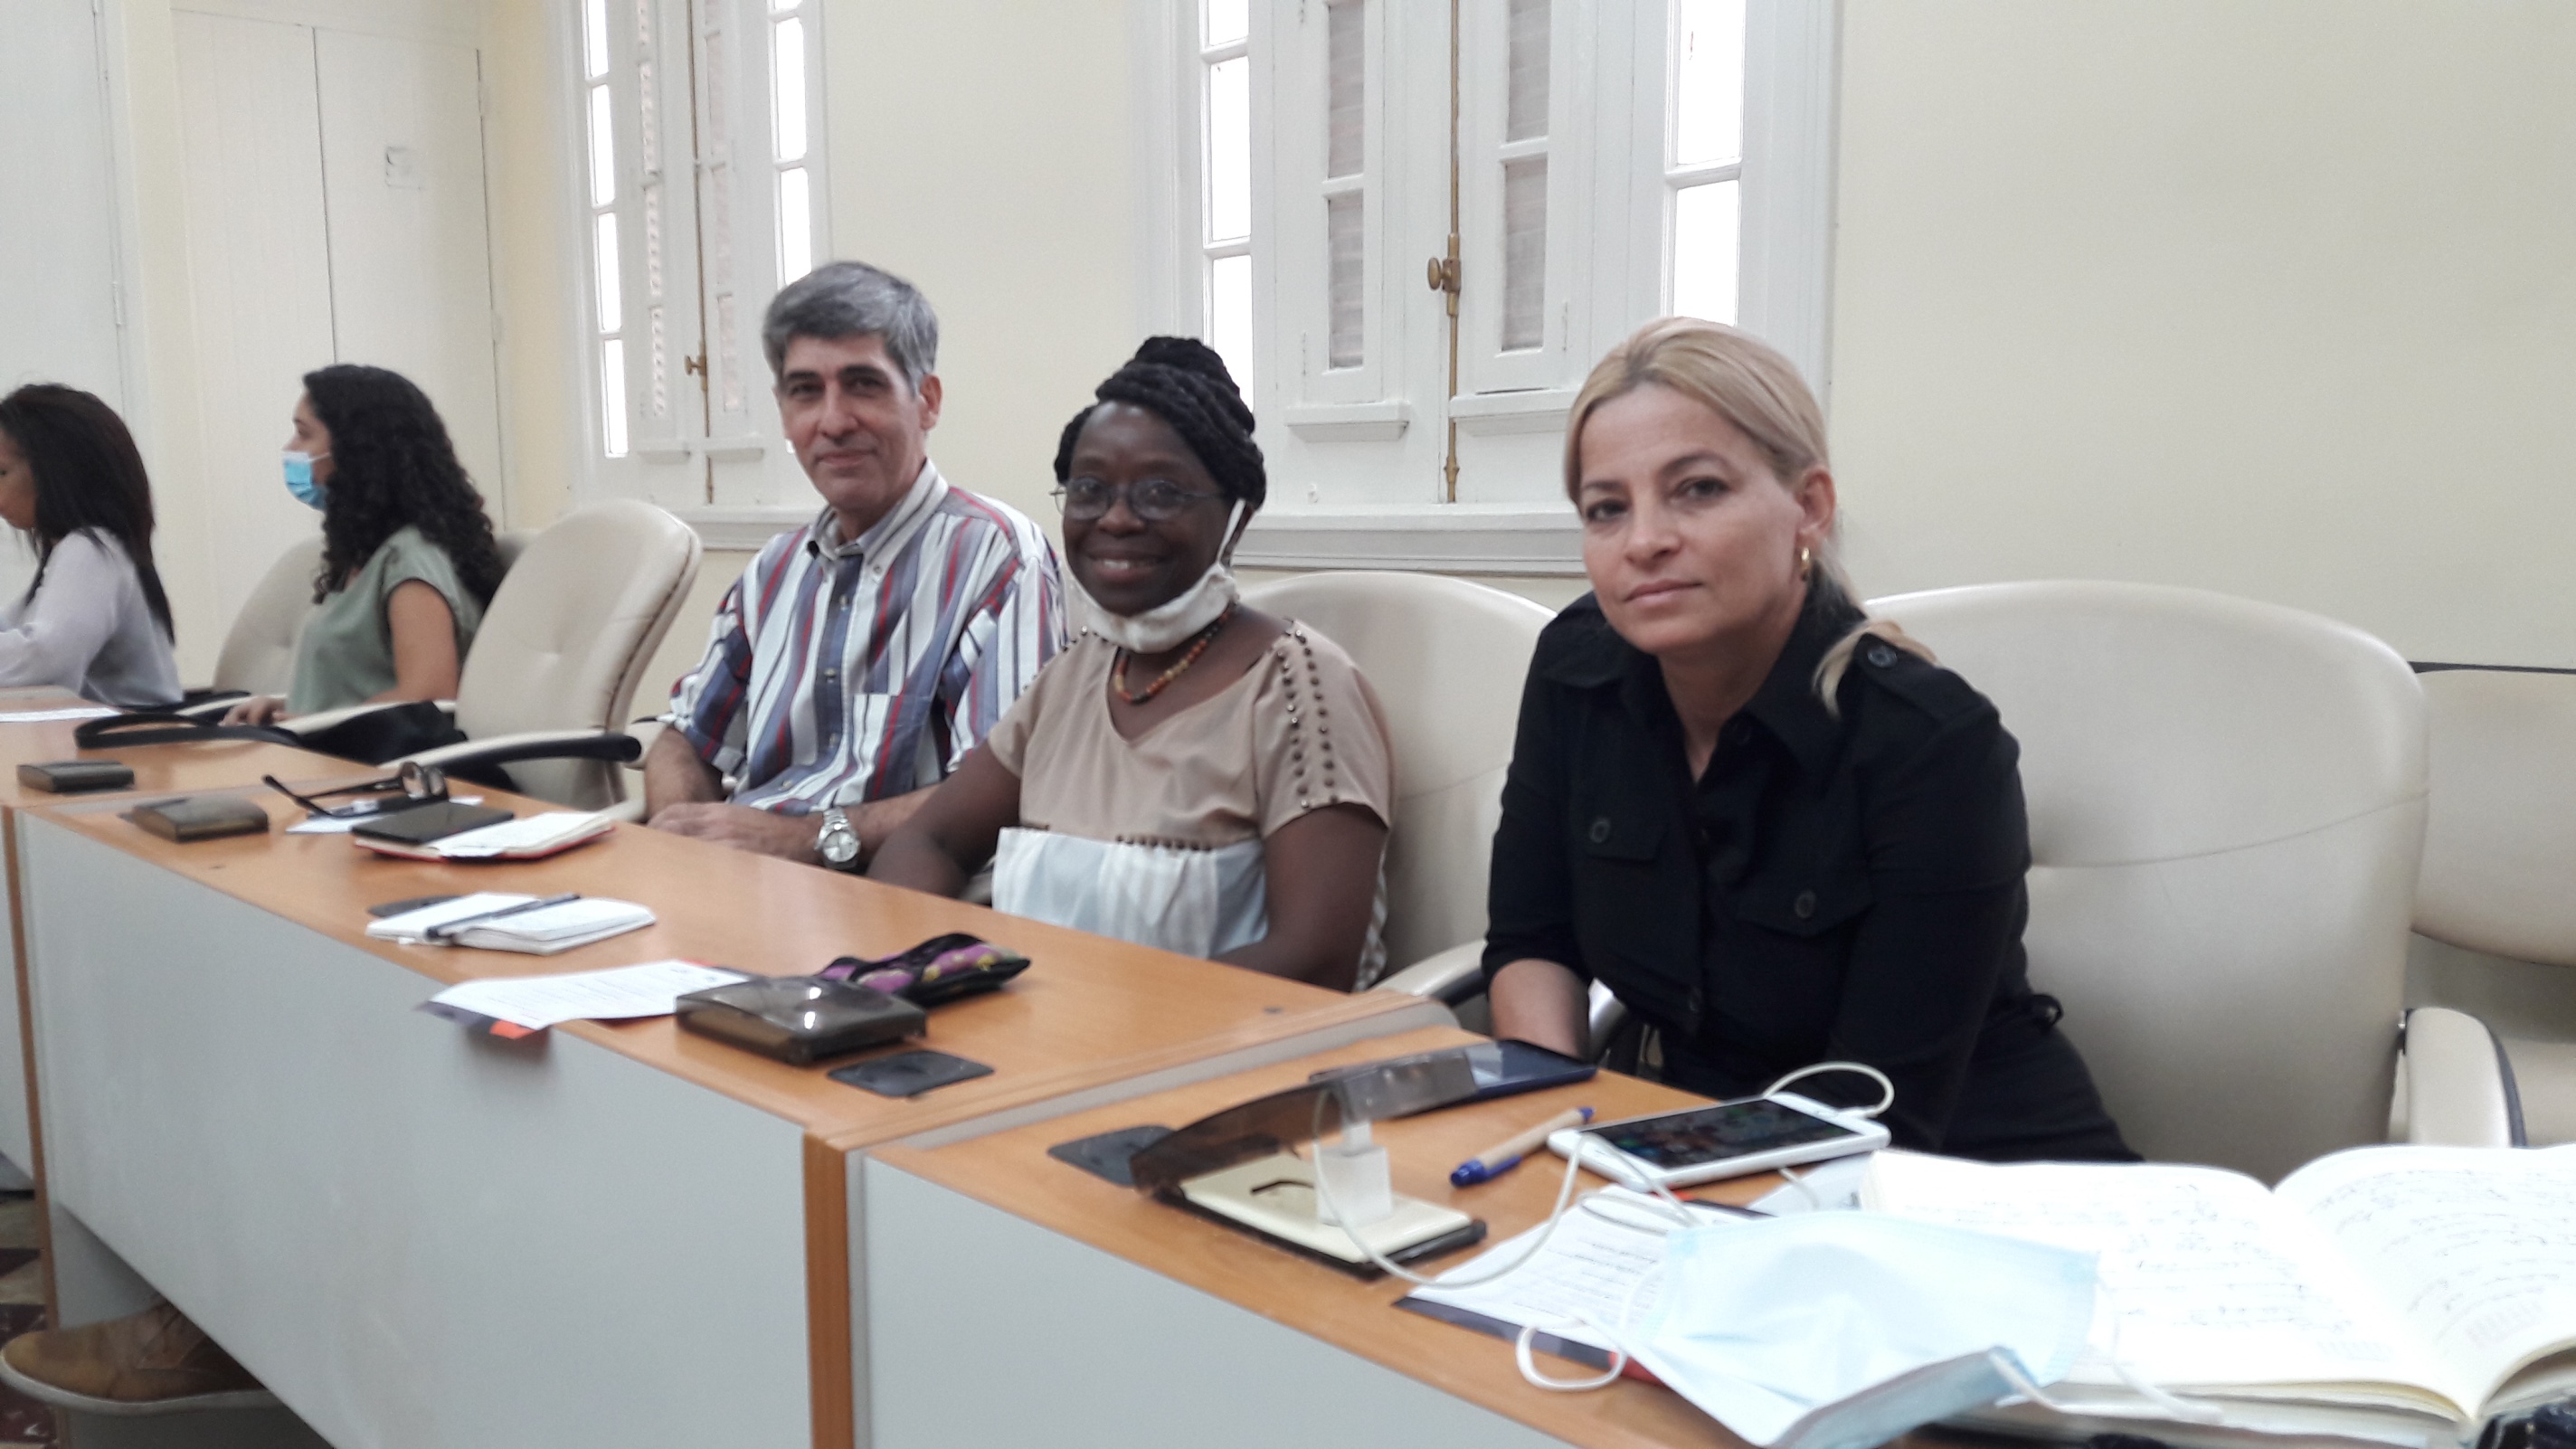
(1780, 833)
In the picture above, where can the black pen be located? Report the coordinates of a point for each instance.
(448, 930)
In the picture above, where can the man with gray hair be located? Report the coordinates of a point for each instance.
(862, 655)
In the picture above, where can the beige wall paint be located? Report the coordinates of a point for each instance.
(2273, 299)
(2278, 300)
(545, 434)
(983, 149)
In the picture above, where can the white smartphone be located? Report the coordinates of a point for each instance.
(1730, 1139)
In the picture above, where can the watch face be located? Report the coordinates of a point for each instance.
(838, 844)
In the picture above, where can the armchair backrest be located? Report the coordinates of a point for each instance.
(570, 632)
(259, 650)
(1446, 659)
(2500, 840)
(2227, 805)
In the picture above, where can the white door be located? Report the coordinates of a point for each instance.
(58, 260)
(259, 275)
(411, 272)
(335, 213)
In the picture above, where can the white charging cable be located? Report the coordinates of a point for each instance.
(1565, 1193)
(1819, 1069)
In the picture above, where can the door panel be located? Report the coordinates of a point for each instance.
(259, 273)
(411, 276)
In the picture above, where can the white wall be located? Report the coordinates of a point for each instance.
(2274, 299)
(58, 264)
(2277, 299)
(983, 149)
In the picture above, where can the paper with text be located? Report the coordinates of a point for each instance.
(621, 992)
(1606, 1244)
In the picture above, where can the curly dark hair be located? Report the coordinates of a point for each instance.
(1182, 381)
(392, 465)
(89, 475)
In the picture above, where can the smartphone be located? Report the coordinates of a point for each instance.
(1476, 1073)
(1730, 1139)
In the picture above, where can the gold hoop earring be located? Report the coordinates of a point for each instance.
(1806, 561)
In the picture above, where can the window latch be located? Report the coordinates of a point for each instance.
(1442, 274)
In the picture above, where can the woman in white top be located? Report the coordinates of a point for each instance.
(95, 620)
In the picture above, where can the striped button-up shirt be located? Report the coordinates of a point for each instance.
(841, 672)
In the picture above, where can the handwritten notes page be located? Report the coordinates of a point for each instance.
(2476, 1246)
(2206, 1280)
(1586, 1273)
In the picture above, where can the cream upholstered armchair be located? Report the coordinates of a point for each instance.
(2227, 804)
(2499, 877)
(259, 649)
(563, 645)
(258, 656)
(1446, 659)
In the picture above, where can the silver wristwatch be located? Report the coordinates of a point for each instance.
(836, 842)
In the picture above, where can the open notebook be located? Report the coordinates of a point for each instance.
(2404, 1294)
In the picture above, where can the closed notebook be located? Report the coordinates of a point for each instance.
(529, 838)
(200, 817)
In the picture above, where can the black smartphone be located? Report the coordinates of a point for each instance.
(1476, 1073)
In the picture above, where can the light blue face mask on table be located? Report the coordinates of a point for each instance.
(1844, 1330)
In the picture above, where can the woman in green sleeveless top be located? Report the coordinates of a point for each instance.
(408, 558)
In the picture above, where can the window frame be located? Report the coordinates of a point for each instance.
(728, 473)
(1784, 266)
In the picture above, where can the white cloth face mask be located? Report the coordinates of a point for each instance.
(1168, 623)
(1844, 1330)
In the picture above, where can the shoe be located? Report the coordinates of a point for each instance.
(153, 1362)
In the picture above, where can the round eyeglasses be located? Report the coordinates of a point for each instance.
(1154, 500)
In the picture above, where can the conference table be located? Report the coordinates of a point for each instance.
(1118, 1320)
(608, 1234)
(156, 772)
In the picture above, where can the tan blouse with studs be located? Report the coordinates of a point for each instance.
(1297, 732)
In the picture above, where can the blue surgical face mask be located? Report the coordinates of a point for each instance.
(1844, 1330)
(300, 480)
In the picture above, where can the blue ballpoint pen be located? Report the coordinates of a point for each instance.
(1494, 1161)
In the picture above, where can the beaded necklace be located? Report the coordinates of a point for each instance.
(1198, 646)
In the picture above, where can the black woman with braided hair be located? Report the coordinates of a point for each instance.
(1191, 773)
(408, 557)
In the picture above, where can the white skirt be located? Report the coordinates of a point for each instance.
(1196, 902)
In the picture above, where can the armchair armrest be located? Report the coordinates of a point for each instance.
(2458, 1084)
(533, 745)
(1604, 1014)
(1457, 975)
(1451, 976)
(209, 703)
(307, 725)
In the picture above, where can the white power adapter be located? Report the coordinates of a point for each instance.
(1357, 1188)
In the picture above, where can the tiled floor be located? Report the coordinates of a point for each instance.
(22, 1308)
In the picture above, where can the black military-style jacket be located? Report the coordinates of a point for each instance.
(1834, 886)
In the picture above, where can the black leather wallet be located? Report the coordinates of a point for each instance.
(200, 817)
(799, 1019)
(65, 777)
